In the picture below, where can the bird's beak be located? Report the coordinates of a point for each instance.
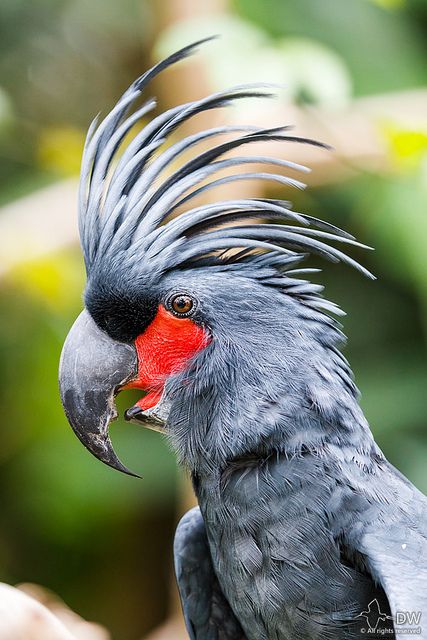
(92, 371)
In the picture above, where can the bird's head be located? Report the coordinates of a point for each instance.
(207, 311)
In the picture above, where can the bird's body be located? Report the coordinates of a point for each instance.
(278, 585)
(289, 516)
(305, 531)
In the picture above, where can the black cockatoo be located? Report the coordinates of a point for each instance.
(302, 523)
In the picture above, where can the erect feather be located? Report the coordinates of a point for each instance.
(127, 195)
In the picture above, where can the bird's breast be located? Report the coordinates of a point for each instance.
(272, 548)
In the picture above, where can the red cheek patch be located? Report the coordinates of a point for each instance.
(165, 348)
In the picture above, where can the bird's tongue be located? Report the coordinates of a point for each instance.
(150, 400)
(152, 411)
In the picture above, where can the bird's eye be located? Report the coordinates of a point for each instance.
(182, 304)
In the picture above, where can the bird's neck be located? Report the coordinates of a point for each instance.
(290, 402)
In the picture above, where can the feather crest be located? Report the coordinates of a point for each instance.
(125, 203)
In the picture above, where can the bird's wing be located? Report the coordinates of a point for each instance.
(392, 541)
(208, 616)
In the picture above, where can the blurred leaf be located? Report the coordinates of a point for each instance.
(384, 50)
(76, 496)
(60, 149)
(390, 4)
(242, 53)
(18, 182)
(393, 392)
(318, 74)
(6, 111)
(411, 452)
(408, 147)
(57, 280)
(394, 210)
(308, 70)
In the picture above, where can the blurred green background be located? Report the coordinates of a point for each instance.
(99, 540)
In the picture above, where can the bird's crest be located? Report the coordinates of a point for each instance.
(125, 203)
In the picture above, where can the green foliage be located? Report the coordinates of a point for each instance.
(307, 70)
(387, 319)
(55, 497)
(383, 49)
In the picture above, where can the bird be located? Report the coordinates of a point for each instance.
(209, 311)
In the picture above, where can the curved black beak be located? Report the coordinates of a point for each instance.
(92, 370)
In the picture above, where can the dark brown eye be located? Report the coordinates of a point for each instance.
(182, 304)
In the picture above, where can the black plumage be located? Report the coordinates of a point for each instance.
(303, 523)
